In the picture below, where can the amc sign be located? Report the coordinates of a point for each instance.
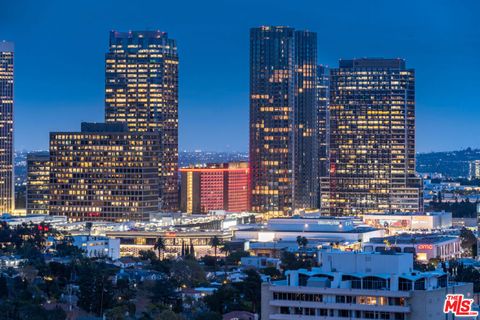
(425, 247)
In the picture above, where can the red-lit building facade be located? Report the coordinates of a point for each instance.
(215, 187)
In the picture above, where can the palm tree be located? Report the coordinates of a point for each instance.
(227, 248)
(302, 241)
(299, 241)
(160, 247)
(215, 242)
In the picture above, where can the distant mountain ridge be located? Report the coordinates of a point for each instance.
(448, 163)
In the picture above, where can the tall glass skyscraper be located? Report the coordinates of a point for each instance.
(371, 139)
(283, 120)
(141, 89)
(305, 117)
(6, 127)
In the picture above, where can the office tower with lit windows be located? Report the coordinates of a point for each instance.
(215, 187)
(323, 82)
(371, 139)
(283, 120)
(474, 169)
(305, 122)
(104, 172)
(141, 90)
(38, 180)
(6, 126)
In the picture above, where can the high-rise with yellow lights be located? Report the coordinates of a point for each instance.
(283, 120)
(6, 127)
(104, 172)
(38, 182)
(141, 90)
(371, 139)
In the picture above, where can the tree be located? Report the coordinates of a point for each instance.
(165, 292)
(117, 313)
(188, 272)
(228, 248)
(302, 241)
(67, 249)
(124, 291)
(235, 257)
(192, 249)
(169, 315)
(469, 241)
(147, 255)
(160, 247)
(227, 298)
(251, 289)
(3, 287)
(96, 289)
(208, 261)
(468, 274)
(215, 242)
(272, 272)
(291, 262)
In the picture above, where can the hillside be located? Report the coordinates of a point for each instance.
(450, 163)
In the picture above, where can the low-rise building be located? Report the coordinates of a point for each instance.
(316, 230)
(425, 246)
(98, 246)
(13, 220)
(132, 242)
(11, 262)
(359, 285)
(260, 262)
(402, 222)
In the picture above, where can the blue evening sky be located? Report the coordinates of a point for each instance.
(60, 48)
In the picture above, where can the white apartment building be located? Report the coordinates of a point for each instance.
(358, 285)
(98, 246)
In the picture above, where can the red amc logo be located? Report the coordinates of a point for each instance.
(459, 306)
(425, 247)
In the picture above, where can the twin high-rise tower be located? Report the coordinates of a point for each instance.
(283, 120)
(342, 140)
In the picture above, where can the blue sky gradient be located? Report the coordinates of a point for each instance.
(60, 47)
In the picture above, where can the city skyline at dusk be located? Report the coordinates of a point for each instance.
(59, 65)
(239, 160)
